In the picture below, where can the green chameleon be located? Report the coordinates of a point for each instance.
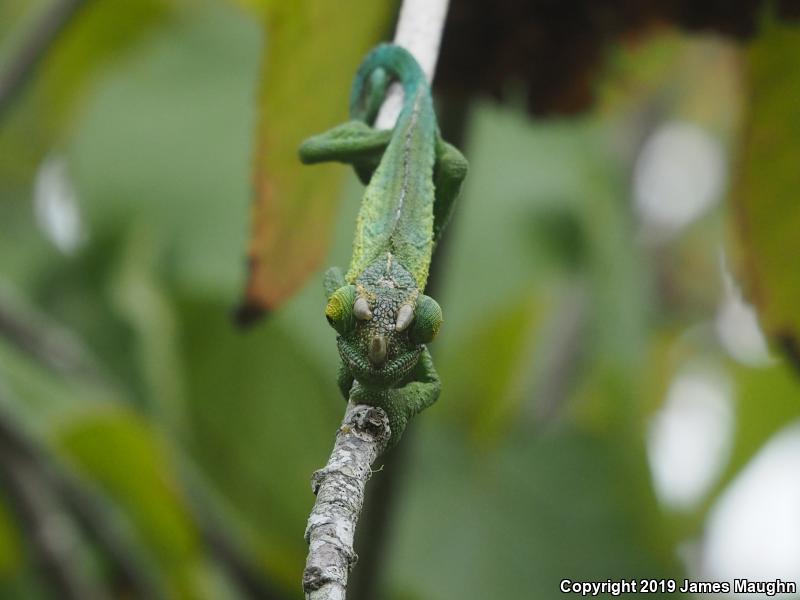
(378, 307)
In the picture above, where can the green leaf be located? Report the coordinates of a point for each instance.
(489, 398)
(123, 454)
(766, 205)
(139, 296)
(98, 32)
(313, 50)
(766, 400)
(263, 415)
(165, 148)
(670, 74)
(10, 544)
(512, 521)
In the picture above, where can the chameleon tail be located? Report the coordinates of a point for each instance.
(383, 65)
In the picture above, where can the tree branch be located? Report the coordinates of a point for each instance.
(35, 333)
(53, 539)
(340, 495)
(35, 48)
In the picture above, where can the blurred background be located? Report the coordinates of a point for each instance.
(620, 350)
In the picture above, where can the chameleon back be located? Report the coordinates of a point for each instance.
(396, 214)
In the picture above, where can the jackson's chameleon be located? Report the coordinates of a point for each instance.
(378, 307)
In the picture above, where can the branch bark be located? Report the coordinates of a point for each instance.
(339, 487)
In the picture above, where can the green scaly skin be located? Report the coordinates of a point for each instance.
(412, 178)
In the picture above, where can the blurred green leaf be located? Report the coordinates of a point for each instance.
(122, 453)
(767, 399)
(765, 199)
(676, 75)
(313, 51)
(488, 398)
(10, 545)
(45, 397)
(25, 584)
(88, 423)
(512, 521)
(110, 445)
(557, 233)
(99, 31)
(165, 149)
(140, 298)
(259, 402)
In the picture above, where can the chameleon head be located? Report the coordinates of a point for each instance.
(382, 329)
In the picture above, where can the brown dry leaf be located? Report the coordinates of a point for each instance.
(312, 52)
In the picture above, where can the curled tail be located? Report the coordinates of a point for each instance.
(383, 65)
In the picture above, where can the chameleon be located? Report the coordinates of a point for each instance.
(378, 308)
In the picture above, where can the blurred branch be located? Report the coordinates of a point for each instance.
(58, 349)
(96, 515)
(112, 534)
(222, 536)
(35, 48)
(556, 373)
(340, 495)
(46, 341)
(239, 566)
(48, 530)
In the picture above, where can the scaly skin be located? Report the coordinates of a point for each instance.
(378, 308)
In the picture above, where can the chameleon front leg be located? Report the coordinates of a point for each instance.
(414, 397)
(402, 403)
(354, 143)
(344, 380)
(449, 171)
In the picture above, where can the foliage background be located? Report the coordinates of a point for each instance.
(571, 315)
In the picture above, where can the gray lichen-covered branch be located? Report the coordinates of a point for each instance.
(339, 487)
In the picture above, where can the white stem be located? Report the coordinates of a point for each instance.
(419, 30)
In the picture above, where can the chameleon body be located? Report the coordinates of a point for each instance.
(383, 318)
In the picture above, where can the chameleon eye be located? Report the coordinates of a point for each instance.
(428, 320)
(339, 311)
